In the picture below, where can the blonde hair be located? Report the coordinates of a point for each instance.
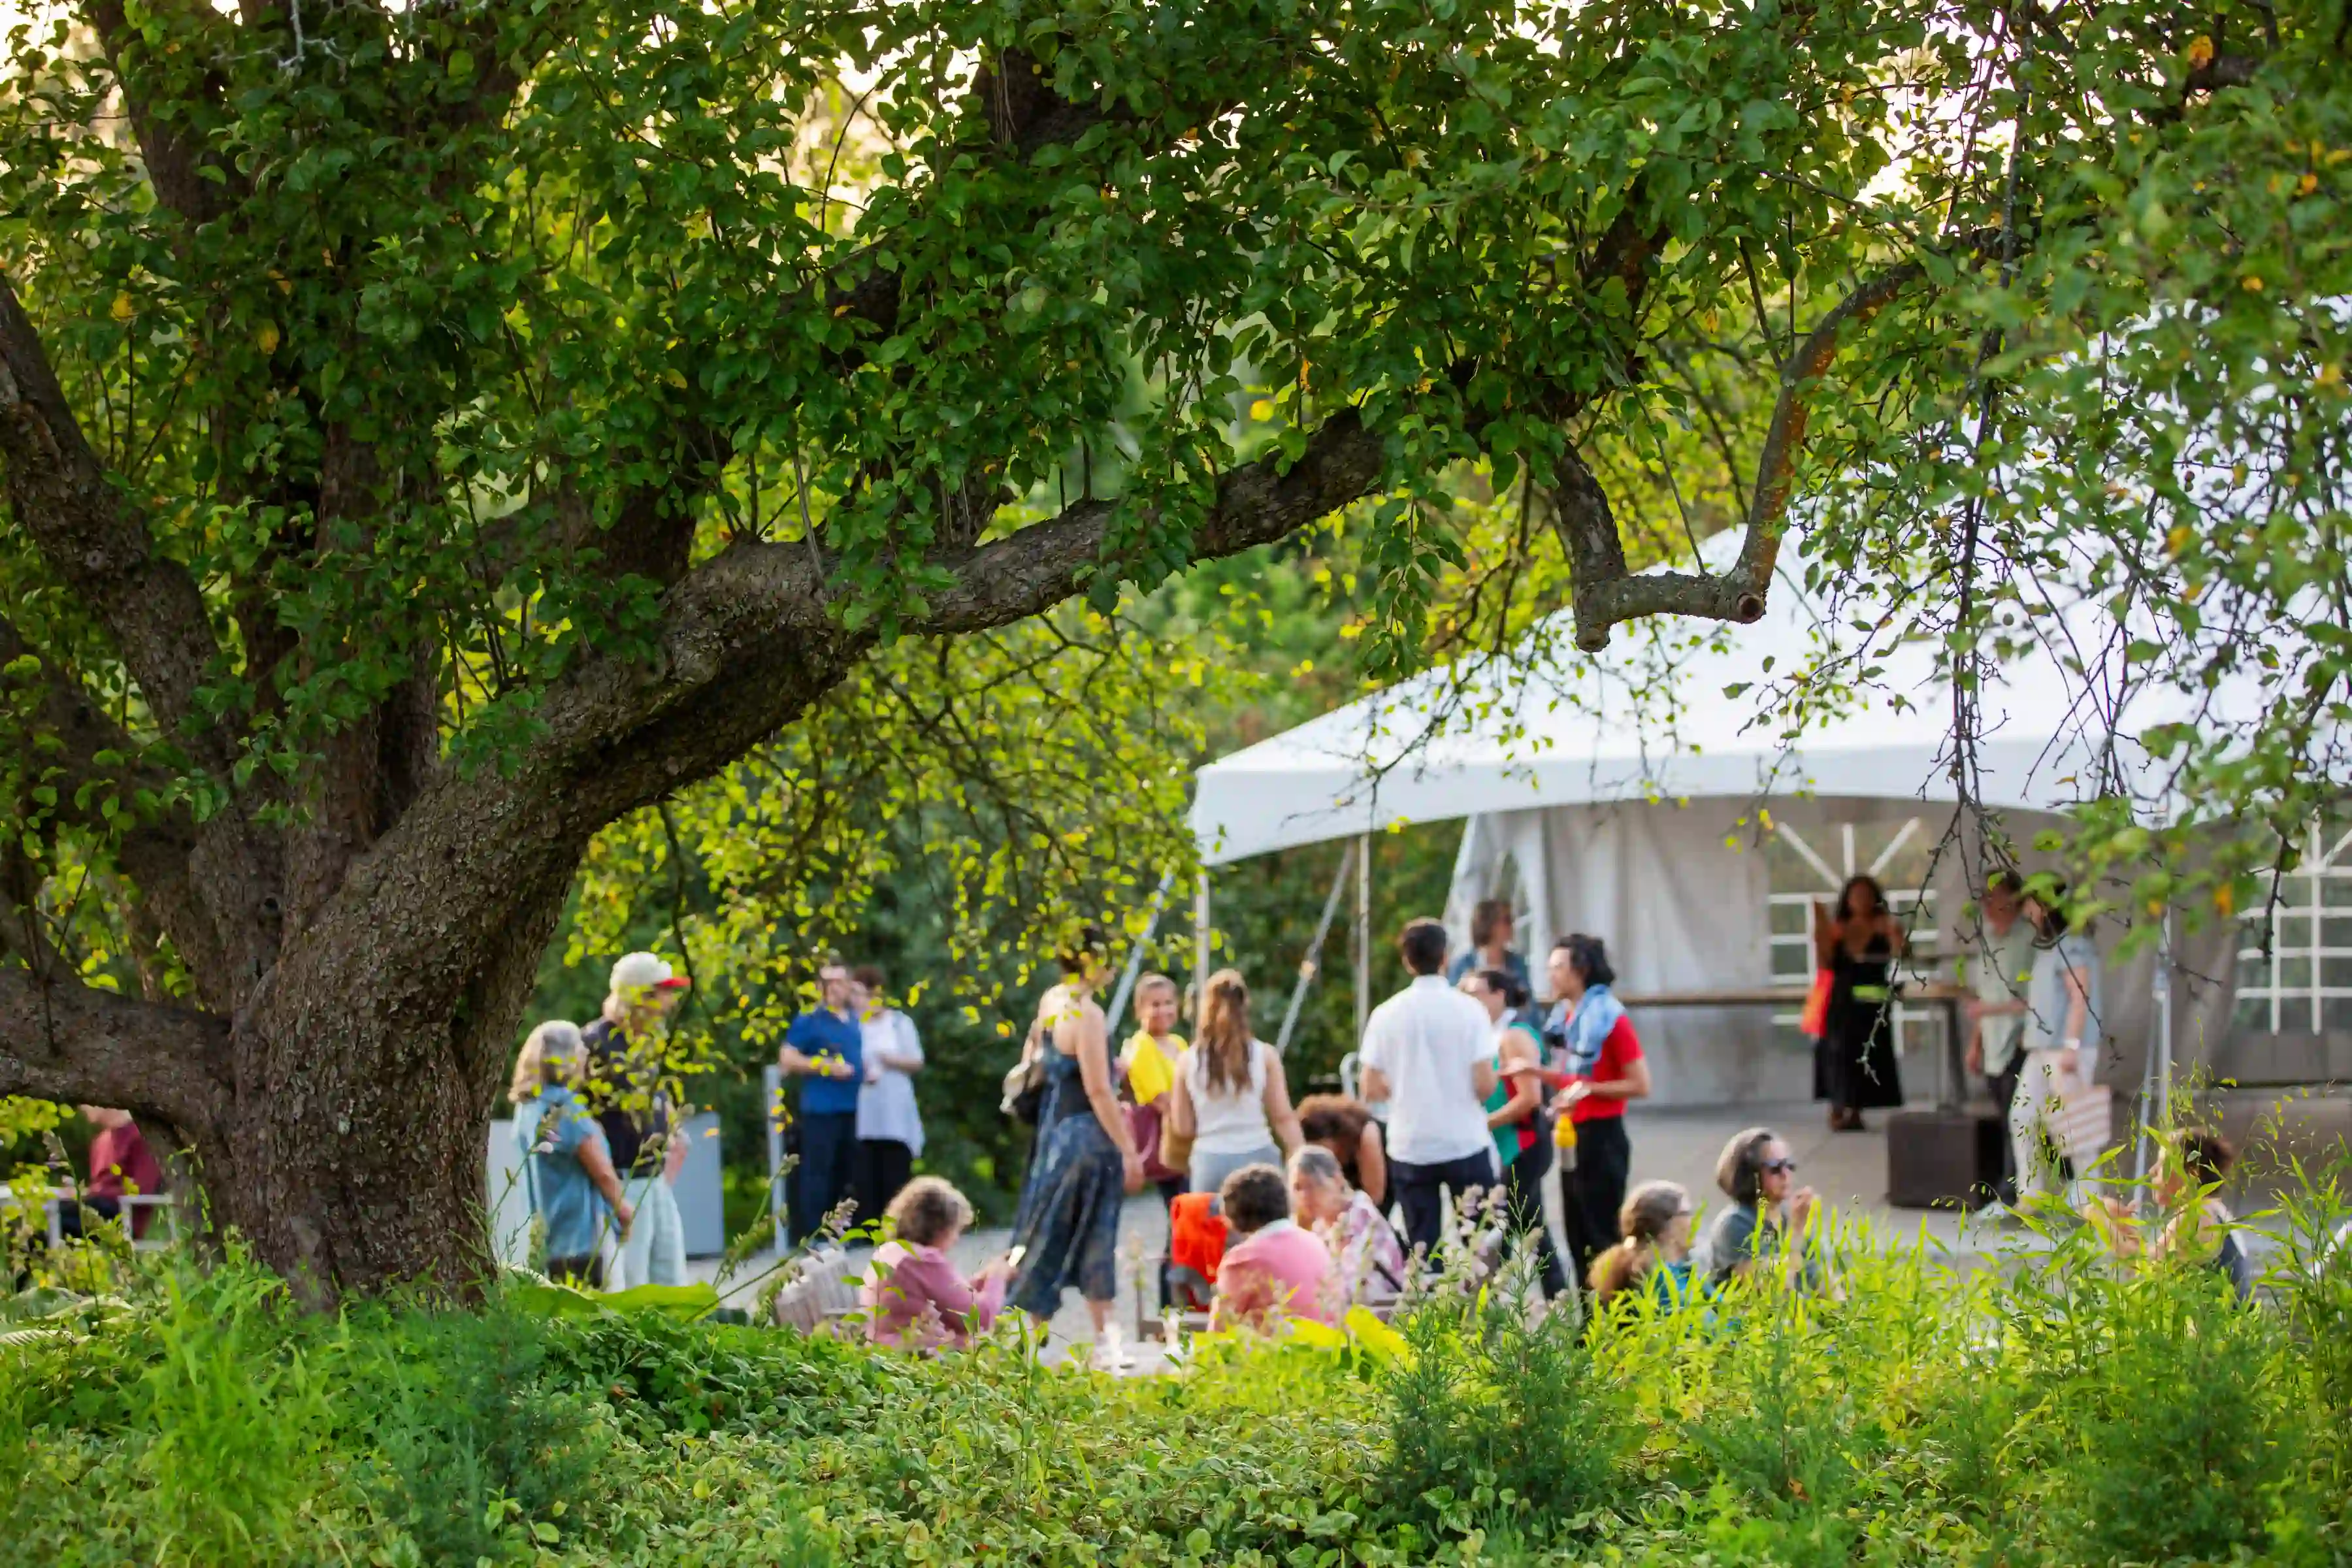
(1224, 1037)
(1650, 1211)
(551, 1054)
(1151, 985)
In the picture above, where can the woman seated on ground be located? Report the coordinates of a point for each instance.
(2201, 1232)
(1655, 1229)
(1366, 1258)
(1765, 1230)
(913, 1295)
(1272, 1267)
(1347, 1128)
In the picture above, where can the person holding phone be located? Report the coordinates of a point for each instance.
(913, 1295)
(1768, 1232)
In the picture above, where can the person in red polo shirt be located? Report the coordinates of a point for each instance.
(1604, 1068)
(121, 1164)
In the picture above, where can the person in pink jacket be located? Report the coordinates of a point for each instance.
(913, 1295)
(1273, 1268)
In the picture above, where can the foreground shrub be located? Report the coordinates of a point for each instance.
(2055, 1413)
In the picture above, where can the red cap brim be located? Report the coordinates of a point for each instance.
(675, 982)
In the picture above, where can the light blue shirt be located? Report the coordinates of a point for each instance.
(2046, 1002)
(550, 1128)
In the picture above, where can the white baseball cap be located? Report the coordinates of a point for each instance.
(645, 971)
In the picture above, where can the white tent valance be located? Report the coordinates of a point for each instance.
(1651, 721)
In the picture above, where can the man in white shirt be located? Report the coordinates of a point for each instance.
(1429, 1052)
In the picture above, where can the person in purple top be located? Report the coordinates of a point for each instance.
(826, 1050)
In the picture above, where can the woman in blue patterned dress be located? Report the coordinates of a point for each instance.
(1067, 1229)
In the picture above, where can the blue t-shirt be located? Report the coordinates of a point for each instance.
(826, 1032)
(549, 1129)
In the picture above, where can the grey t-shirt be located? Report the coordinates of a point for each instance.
(2046, 1000)
(1731, 1238)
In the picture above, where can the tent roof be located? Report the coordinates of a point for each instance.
(1649, 719)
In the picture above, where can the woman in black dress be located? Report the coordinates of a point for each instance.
(1853, 1062)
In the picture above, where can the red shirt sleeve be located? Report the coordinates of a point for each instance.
(1621, 1046)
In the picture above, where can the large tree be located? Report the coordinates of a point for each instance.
(434, 433)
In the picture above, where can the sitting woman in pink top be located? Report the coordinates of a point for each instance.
(1273, 1268)
(913, 1296)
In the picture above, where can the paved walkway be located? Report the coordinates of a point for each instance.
(1682, 1144)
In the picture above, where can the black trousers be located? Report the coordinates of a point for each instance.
(828, 1169)
(2004, 1085)
(884, 1165)
(1595, 1190)
(1420, 1189)
(1523, 1203)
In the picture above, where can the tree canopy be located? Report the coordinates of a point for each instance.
(434, 434)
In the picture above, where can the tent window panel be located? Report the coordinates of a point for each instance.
(2306, 983)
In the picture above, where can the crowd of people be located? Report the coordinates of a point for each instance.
(603, 1144)
(1473, 1092)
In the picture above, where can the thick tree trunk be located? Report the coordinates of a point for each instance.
(352, 1157)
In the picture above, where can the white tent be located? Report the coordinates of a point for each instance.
(1628, 795)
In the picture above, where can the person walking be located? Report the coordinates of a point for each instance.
(567, 1164)
(826, 1050)
(1603, 1058)
(2063, 1008)
(1858, 942)
(1515, 1117)
(643, 1131)
(889, 1122)
(2001, 967)
(1067, 1228)
(1230, 1098)
(1428, 1052)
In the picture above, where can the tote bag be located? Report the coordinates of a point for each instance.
(1814, 1022)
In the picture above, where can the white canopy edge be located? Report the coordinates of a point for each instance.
(1650, 721)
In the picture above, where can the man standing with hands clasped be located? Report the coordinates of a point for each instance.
(826, 1050)
(1429, 1052)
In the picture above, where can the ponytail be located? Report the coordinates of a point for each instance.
(1620, 1265)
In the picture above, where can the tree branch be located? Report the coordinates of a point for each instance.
(155, 852)
(1605, 593)
(86, 531)
(66, 1041)
(172, 149)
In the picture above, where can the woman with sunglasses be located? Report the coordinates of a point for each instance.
(1767, 1222)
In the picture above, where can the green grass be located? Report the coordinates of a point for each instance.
(2064, 1413)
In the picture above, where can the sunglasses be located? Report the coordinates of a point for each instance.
(1779, 1165)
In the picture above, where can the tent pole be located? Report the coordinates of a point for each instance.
(1308, 966)
(1200, 946)
(2156, 1083)
(1135, 959)
(1363, 935)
